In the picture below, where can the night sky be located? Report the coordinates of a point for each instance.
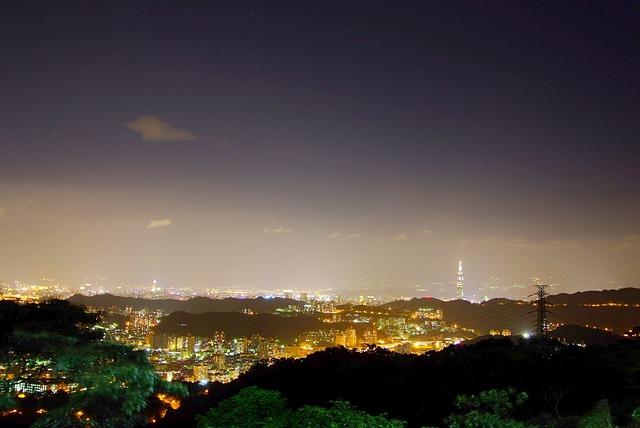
(320, 144)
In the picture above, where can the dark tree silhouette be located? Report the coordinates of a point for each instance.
(112, 383)
(421, 389)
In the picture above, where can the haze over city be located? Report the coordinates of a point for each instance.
(338, 145)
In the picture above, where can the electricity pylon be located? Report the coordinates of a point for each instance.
(542, 321)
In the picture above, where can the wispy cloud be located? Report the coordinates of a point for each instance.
(399, 237)
(338, 235)
(426, 231)
(524, 243)
(281, 229)
(159, 223)
(153, 128)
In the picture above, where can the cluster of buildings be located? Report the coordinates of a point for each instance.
(32, 379)
(217, 357)
(25, 292)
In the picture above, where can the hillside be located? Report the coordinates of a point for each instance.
(421, 389)
(235, 324)
(583, 335)
(612, 309)
(623, 295)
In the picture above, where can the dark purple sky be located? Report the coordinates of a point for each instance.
(304, 144)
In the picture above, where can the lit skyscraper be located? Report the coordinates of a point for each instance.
(460, 282)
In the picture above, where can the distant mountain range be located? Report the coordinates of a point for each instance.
(195, 305)
(623, 295)
(518, 316)
(612, 309)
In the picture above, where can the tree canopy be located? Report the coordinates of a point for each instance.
(488, 409)
(109, 384)
(254, 407)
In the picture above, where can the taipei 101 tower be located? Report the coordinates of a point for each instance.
(460, 282)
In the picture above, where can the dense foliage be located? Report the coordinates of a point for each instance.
(255, 408)
(110, 384)
(493, 408)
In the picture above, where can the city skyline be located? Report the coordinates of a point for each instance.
(284, 147)
(455, 288)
